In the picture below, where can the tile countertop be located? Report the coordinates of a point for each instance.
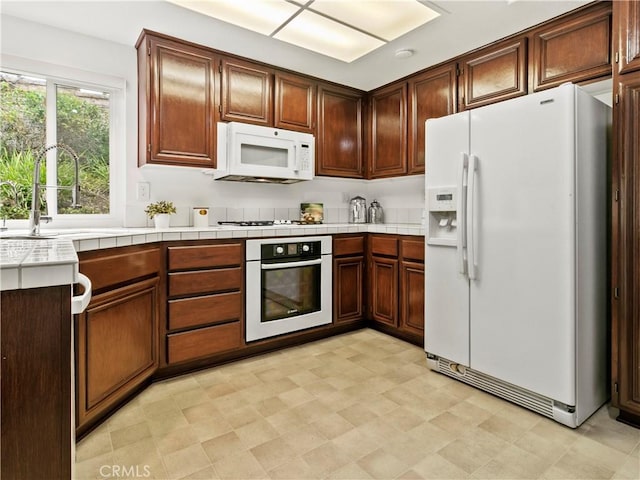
(37, 263)
(28, 263)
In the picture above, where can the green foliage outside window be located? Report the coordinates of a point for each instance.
(82, 123)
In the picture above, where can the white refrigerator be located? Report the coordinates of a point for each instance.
(516, 254)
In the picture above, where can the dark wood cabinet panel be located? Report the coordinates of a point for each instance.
(118, 266)
(573, 49)
(205, 281)
(384, 245)
(348, 285)
(205, 256)
(348, 277)
(339, 133)
(206, 310)
(116, 347)
(625, 245)
(348, 245)
(388, 135)
(247, 92)
(493, 74)
(295, 102)
(626, 17)
(383, 278)
(432, 94)
(36, 380)
(412, 297)
(177, 85)
(203, 342)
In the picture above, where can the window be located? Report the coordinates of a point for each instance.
(38, 111)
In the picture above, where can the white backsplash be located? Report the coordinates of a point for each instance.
(401, 198)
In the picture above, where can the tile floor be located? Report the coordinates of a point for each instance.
(357, 406)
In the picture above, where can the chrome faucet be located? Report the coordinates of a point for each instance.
(15, 196)
(35, 217)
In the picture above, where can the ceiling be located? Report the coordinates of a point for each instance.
(462, 26)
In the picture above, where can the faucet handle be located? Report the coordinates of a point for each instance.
(46, 218)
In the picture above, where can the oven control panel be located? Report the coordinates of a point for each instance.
(293, 250)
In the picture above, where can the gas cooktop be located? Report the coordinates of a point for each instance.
(267, 223)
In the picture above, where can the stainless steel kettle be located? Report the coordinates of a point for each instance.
(357, 210)
(376, 215)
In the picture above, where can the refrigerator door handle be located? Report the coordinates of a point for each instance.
(471, 253)
(461, 208)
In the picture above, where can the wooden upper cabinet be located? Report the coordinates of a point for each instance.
(295, 102)
(247, 92)
(388, 136)
(431, 94)
(177, 85)
(573, 49)
(626, 17)
(339, 149)
(493, 74)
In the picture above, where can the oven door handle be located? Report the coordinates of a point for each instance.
(275, 266)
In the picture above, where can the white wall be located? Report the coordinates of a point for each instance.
(402, 198)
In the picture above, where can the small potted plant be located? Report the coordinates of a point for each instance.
(160, 213)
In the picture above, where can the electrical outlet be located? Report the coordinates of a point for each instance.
(143, 192)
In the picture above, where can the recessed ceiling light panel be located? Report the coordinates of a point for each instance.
(262, 16)
(319, 34)
(387, 19)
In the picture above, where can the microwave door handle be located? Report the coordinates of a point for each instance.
(304, 263)
(296, 160)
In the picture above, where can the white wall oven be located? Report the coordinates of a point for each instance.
(288, 285)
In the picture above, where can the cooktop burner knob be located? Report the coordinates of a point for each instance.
(306, 248)
(279, 250)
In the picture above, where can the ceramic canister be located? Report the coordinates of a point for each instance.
(200, 216)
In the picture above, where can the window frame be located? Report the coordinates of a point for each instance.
(116, 87)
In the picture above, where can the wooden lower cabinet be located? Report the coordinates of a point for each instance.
(396, 284)
(412, 299)
(205, 302)
(348, 278)
(35, 338)
(116, 337)
(116, 347)
(384, 290)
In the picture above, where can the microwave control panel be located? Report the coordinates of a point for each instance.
(305, 157)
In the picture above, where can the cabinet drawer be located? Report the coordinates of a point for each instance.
(223, 255)
(123, 266)
(191, 312)
(384, 245)
(203, 342)
(413, 249)
(348, 245)
(205, 281)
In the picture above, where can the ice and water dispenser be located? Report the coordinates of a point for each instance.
(443, 222)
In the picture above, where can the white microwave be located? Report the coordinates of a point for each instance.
(252, 153)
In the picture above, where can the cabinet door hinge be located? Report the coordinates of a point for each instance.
(459, 71)
(616, 57)
(617, 195)
(149, 51)
(617, 98)
(615, 387)
(220, 66)
(220, 108)
(616, 293)
(149, 148)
